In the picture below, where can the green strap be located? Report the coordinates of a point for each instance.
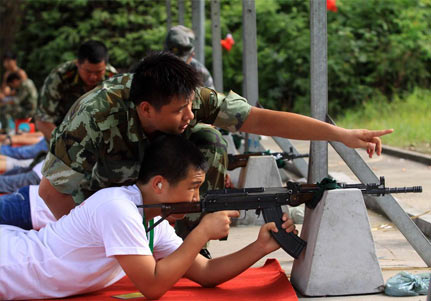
(326, 184)
(151, 234)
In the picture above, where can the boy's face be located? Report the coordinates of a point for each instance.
(91, 74)
(186, 190)
(174, 117)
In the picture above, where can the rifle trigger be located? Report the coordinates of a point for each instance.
(258, 211)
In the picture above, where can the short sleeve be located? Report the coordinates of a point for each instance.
(123, 232)
(225, 111)
(234, 110)
(166, 240)
(61, 176)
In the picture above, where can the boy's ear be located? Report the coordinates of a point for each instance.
(157, 184)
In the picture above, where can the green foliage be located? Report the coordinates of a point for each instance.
(409, 116)
(53, 30)
(374, 46)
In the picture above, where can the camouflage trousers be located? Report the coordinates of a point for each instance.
(212, 144)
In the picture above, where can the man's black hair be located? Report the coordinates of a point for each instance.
(9, 55)
(171, 156)
(93, 51)
(13, 76)
(159, 77)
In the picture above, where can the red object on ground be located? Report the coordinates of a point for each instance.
(268, 282)
(227, 42)
(330, 5)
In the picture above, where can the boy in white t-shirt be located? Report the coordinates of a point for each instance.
(104, 237)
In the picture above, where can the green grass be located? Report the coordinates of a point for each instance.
(409, 116)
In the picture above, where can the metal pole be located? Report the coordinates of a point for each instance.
(318, 162)
(198, 26)
(168, 15)
(181, 10)
(249, 64)
(216, 47)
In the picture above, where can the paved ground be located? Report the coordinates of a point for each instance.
(393, 251)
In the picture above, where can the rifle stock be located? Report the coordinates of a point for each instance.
(269, 202)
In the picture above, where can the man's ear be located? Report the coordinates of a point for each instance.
(145, 109)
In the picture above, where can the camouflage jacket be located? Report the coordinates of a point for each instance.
(25, 100)
(101, 143)
(206, 77)
(61, 89)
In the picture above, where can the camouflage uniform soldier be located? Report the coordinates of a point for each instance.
(23, 104)
(102, 140)
(179, 41)
(69, 81)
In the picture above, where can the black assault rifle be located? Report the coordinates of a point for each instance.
(235, 161)
(269, 202)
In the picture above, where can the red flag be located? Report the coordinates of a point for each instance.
(330, 5)
(227, 42)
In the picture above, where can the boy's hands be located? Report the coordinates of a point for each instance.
(365, 139)
(265, 239)
(216, 225)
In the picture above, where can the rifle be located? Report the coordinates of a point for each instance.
(269, 202)
(235, 161)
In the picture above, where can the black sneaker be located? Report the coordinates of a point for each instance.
(205, 253)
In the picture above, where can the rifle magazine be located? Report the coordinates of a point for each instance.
(289, 242)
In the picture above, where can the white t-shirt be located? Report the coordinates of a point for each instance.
(38, 168)
(75, 254)
(40, 213)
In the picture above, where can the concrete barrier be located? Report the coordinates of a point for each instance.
(340, 256)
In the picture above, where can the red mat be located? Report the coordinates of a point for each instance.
(268, 282)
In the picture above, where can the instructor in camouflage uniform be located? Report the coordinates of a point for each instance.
(179, 41)
(69, 81)
(102, 140)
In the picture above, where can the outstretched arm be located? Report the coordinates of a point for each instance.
(212, 272)
(296, 126)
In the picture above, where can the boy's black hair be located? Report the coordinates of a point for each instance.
(93, 51)
(9, 55)
(170, 156)
(159, 77)
(13, 76)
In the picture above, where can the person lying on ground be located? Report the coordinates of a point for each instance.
(20, 139)
(105, 237)
(18, 177)
(29, 151)
(8, 163)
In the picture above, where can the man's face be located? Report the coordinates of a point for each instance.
(15, 84)
(174, 117)
(9, 64)
(91, 74)
(187, 190)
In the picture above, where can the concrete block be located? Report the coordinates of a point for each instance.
(261, 171)
(340, 257)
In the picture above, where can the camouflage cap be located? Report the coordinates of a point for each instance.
(179, 41)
